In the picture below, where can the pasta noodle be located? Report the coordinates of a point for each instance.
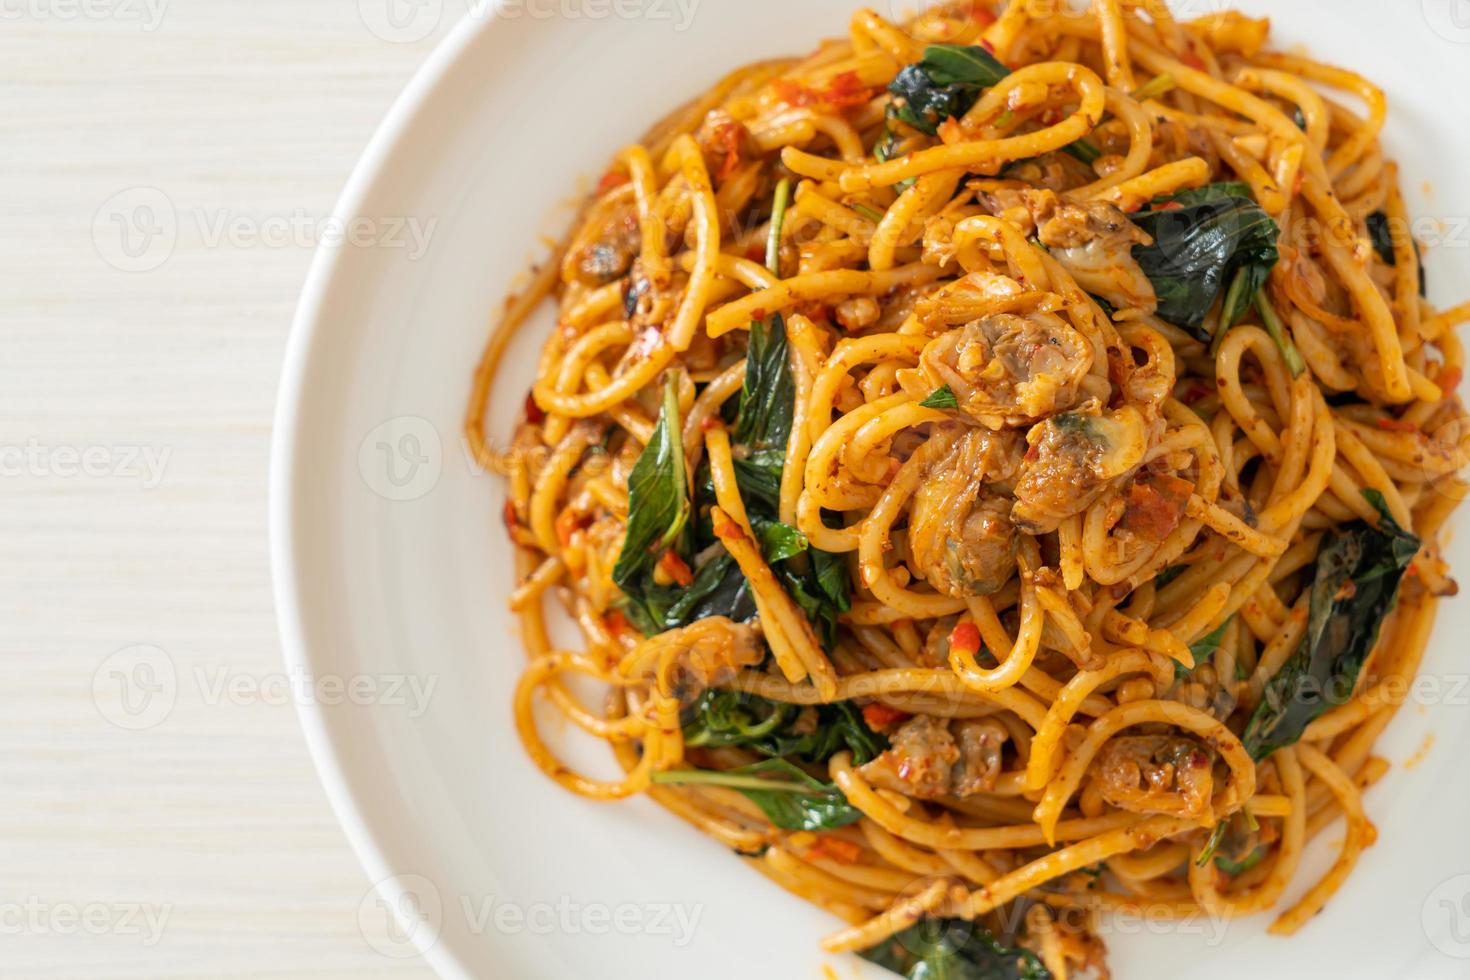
(972, 548)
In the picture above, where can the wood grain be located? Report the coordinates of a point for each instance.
(250, 113)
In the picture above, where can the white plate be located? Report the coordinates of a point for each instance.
(388, 578)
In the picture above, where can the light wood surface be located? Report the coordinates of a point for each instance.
(245, 115)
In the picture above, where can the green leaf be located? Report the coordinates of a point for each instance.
(1354, 587)
(658, 511)
(1212, 844)
(789, 797)
(1155, 87)
(735, 719)
(1083, 150)
(1240, 867)
(1169, 574)
(718, 589)
(953, 949)
(1278, 332)
(1204, 650)
(1380, 232)
(779, 541)
(768, 397)
(778, 219)
(1207, 240)
(946, 84)
(761, 432)
(942, 398)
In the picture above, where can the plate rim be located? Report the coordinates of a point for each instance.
(286, 426)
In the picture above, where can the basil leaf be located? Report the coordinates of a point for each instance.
(1380, 232)
(725, 719)
(1355, 585)
(768, 397)
(719, 589)
(1212, 844)
(1279, 334)
(1204, 650)
(761, 432)
(1381, 235)
(778, 220)
(1169, 574)
(779, 541)
(1240, 867)
(1207, 240)
(942, 398)
(789, 797)
(953, 949)
(947, 82)
(658, 511)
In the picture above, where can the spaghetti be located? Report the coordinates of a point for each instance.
(980, 457)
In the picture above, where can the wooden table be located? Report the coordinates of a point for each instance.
(145, 831)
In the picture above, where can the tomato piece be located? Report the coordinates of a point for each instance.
(844, 91)
(610, 180)
(1449, 380)
(568, 523)
(965, 638)
(880, 716)
(1156, 505)
(676, 568)
(836, 849)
